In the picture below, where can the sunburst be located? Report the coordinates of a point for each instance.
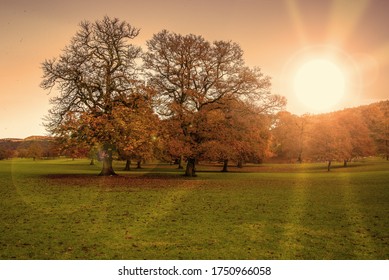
(326, 76)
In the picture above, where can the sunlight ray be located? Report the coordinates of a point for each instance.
(296, 16)
(341, 26)
(369, 65)
(381, 54)
(358, 230)
(290, 243)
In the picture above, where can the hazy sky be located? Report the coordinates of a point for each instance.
(276, 35)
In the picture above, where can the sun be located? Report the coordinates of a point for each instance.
(319, 84)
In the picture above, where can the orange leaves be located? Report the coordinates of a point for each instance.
(209, 101)
(341, 135)
(233, 131)
(329, 140)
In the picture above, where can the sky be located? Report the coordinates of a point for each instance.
(276, 35)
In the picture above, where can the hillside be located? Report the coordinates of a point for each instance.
(32, 146)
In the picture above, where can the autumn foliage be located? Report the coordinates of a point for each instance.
(187, 99)
(339, 136)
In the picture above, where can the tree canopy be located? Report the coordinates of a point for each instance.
(97, 76)
(192, 77)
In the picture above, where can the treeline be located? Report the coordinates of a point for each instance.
(241, 137)
(338, 136)
(32, 147)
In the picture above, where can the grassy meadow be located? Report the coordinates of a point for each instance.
(61, 209)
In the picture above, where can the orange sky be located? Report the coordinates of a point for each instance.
(275, 35)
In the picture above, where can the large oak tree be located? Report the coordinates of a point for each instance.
(189, 74)
(97, 78)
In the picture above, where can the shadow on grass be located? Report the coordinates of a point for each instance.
(118, 177)
(122, 181)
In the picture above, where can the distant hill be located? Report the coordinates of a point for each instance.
(32, 146)
(11, 140)
(38, 138)
(29, 138)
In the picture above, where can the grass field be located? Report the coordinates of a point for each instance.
(60, 209)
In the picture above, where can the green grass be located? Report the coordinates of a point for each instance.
(60, 209)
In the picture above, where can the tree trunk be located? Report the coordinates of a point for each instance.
(191, 168)
(92, 161)
(240, 164)
(107, 165)
(138, 164)
(180, 162)
(128, 165)
(329, 165)
(225, 165)
(345, 163)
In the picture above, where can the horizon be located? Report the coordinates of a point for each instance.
(280, 37)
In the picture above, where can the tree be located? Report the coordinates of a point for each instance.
(6, 153)
(97, 77)
(141, 126)
(361, 144)
(172, 141)
(234, 131)
(92, 154)
(9, 148)
(67, 140)
(289, 135)
(189, 74)
(219, 137)
(383, 128)
(377, 119)
(35, 150)
(328, 140)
